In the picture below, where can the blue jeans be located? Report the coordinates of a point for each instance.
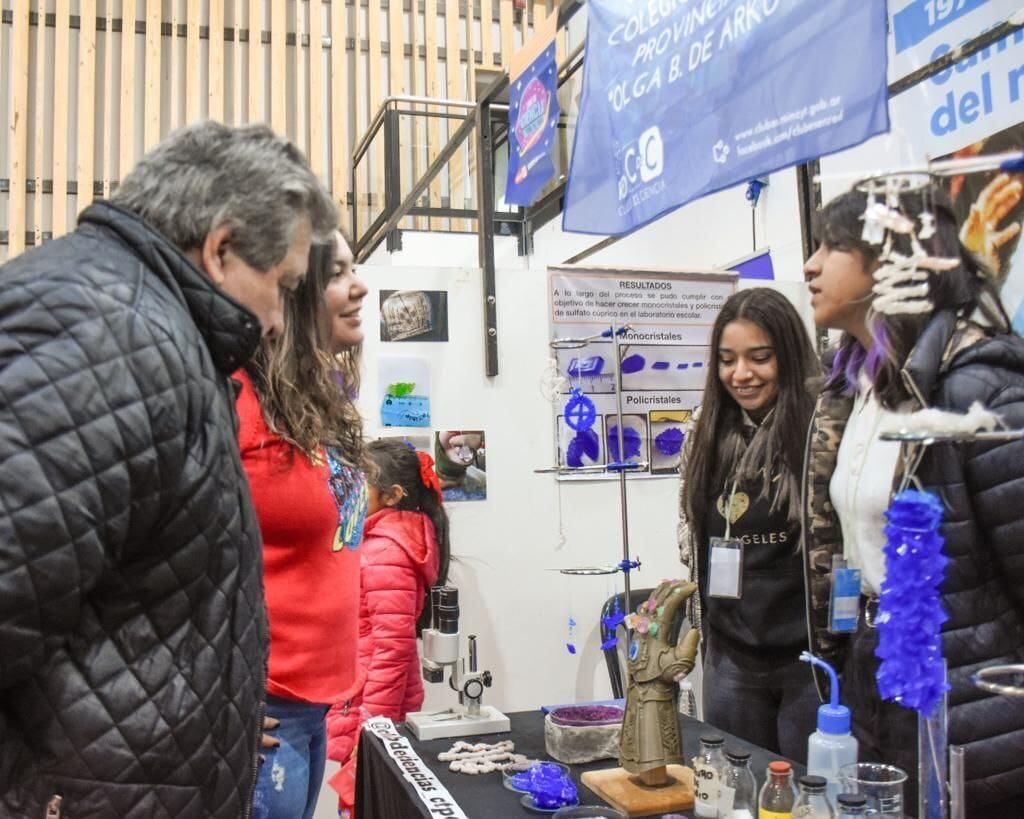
(769, 701)
(288, 784)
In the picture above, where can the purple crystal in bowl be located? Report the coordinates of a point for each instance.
(578, 716)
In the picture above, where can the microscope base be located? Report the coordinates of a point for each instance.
(455, 722)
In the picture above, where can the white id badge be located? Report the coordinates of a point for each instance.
(725, 575)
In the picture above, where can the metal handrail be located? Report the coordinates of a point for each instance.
(369, 242)
(387, 102)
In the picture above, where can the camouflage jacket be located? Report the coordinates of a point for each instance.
(822, 533)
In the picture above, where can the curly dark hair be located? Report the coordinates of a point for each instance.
(307, 394)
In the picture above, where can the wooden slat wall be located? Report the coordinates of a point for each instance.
(192, 97)
(433, 89)
(456, 91)
(376, 158)
(85, 137)
(61, 38)
(106, 138)
(238, 62)
(153, 83)
(125, 99)
(18, 126)
(215, 82)
(278, 29)
(340, 140)
(41, 130)
(127, 125)
(417, 127)
(315, 110)
(255, 53)
(174, 60)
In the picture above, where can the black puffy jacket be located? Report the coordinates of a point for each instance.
(132, 623)
(954, 364)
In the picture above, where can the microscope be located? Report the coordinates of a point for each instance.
(441, 649)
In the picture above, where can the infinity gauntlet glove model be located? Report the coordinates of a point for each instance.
(650, 729)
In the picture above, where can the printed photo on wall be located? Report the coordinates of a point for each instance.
(460, 458)
(413, 315)
(668, 433)
(582, 447)
(990, 208)
(404, 392)
(419, 443)
(634, 438)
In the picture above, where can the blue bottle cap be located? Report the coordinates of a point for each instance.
(833, 719)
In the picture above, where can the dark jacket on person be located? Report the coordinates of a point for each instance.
(132, 623)
(954, 364)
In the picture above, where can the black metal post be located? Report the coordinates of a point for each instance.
(485, 233)
(392, 175)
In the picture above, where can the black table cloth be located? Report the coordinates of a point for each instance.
(382, 793)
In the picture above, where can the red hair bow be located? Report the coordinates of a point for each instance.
(428, 475)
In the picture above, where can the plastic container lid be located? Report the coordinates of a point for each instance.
(736, 755)
(813, 782)
(852, 800)
(712, 739)
(833, 719)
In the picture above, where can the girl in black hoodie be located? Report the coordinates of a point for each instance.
(740, 523)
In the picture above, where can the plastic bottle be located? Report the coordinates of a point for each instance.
(811, 801)
(708, 767)
(852, 804)
(832, 745)
(737, 798)
(687, 701)
(777, 794)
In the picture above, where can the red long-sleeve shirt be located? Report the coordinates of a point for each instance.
(311, 577)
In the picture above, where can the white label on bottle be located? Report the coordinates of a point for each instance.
(705, 783)
(726, 796)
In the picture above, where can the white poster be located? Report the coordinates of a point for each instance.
(977, 97)
(975, 107)
(663, 361)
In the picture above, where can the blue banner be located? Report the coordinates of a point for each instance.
(758, 266)
(533, 119)
(681, 99)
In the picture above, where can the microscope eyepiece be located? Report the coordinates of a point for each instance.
(445, 608)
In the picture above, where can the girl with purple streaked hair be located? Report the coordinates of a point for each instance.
(953, 348)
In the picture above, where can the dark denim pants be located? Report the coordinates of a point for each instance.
(290, 775)
(886, 732)
(763, 699)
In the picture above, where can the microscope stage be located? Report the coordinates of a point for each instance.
(455, 722)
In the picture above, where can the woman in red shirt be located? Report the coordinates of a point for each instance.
(301, 443)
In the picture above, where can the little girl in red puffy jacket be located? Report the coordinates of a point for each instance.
(405, 551)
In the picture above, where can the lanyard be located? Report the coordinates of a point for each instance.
(728, 511)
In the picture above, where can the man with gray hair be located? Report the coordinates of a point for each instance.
(132, 623)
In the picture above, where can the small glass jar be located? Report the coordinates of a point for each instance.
(777, 795)
(852, 804)
(812, 799)
(708, 766)
(737, 797)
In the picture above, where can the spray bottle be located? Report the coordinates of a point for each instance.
(832, 746)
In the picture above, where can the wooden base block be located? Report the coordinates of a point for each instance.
(623, 791)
